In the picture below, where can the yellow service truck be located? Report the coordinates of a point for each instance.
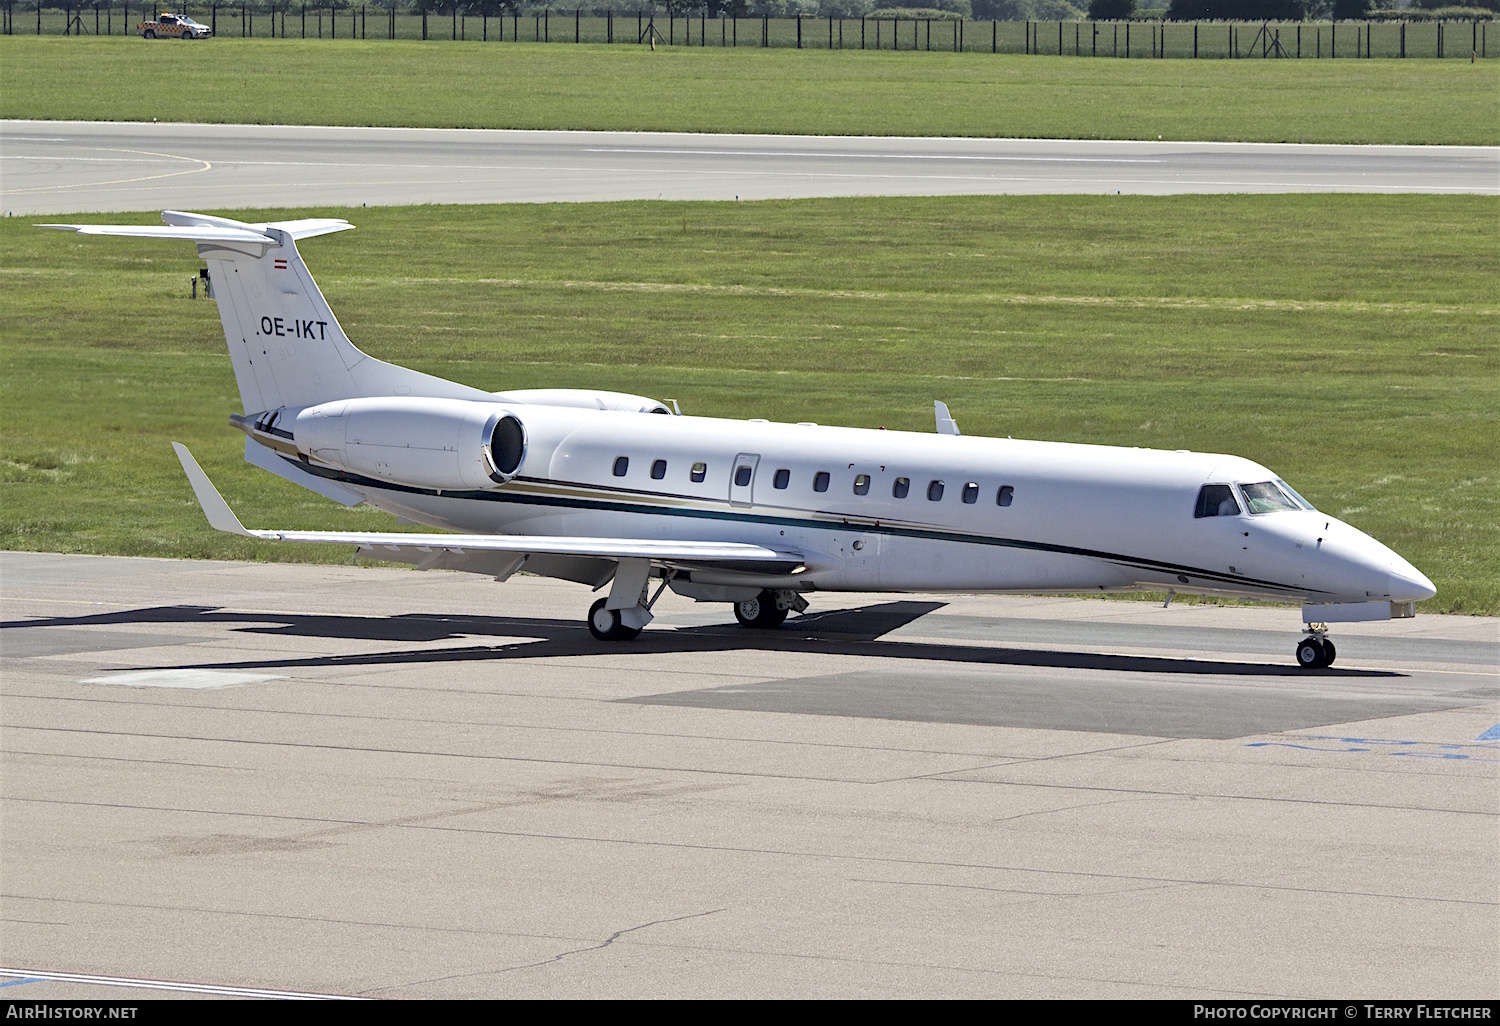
(172, 26)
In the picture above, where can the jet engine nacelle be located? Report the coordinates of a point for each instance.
(426, 443)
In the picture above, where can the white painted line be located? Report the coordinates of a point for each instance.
(196, 680)
(37, 975)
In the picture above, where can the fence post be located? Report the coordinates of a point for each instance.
(799, 31)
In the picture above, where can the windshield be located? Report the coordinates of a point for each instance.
(1266, 497)
(1299, 500)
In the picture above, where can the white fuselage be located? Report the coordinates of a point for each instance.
(1075, 518)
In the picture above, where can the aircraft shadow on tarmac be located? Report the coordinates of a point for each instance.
(855, 632)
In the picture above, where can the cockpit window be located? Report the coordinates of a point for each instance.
(1299, 500)
(1265, 497)
(1216, 500)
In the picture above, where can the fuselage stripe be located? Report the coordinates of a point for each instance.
(545, 494)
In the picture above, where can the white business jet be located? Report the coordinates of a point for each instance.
(605, 488)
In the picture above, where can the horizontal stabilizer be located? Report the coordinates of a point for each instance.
(190, 233)
(735, 555)
(303, 228)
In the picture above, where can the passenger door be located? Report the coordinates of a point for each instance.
(742, 479)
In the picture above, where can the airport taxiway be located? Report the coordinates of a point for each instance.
(53, 167)
(379, 782)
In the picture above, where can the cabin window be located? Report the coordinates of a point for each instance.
(742, 476)
(1216, 500)
(622, 464)
(782, 479)
(658, 470)
(900, 489)
(820, 481)
(862, 484)
(934, 491)
(700, 471)
(971, 492)
(1004, 495)
(1266, 498)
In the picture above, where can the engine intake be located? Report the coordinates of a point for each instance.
(506, 450)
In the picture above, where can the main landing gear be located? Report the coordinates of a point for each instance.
(627, 609)
(768, 609)
(1315, 651)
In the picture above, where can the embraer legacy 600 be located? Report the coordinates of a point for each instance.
(605, 488)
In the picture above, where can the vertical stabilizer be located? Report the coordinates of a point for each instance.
(286, 345)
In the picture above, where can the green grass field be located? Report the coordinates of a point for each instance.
(1350, 343)
(479, 85)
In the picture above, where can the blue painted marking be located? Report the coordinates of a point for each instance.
(1470, 752)
(17, 983)
(1305, 748)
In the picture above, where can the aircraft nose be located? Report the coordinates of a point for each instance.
(1408, 584)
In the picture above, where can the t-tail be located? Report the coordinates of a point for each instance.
(286, 345)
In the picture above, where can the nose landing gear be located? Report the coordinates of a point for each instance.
(1315, 651)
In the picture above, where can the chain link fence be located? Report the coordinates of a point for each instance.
(496, 23)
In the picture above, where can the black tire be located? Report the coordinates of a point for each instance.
(603, 622)
(1310, 654)
(148, 34)
(760, 612)
(605, 625)
(1329, 652)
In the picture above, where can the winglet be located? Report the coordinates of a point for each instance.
(946, 425)
(220, 516)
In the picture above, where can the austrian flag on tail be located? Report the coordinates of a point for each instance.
(280, 265)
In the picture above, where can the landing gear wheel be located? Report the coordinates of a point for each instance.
(760, 612)
(1329, 652)
(605, 624)
(1314, 653)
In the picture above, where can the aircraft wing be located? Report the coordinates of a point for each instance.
(404, 547)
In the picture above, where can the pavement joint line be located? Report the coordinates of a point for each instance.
(179, 909)
(830, 856)
(1188, 990)
(699, 771)
(118, 758)
(217, 990)
(505, 725)
(1218, 797)
(788, 853)
(660, 944)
